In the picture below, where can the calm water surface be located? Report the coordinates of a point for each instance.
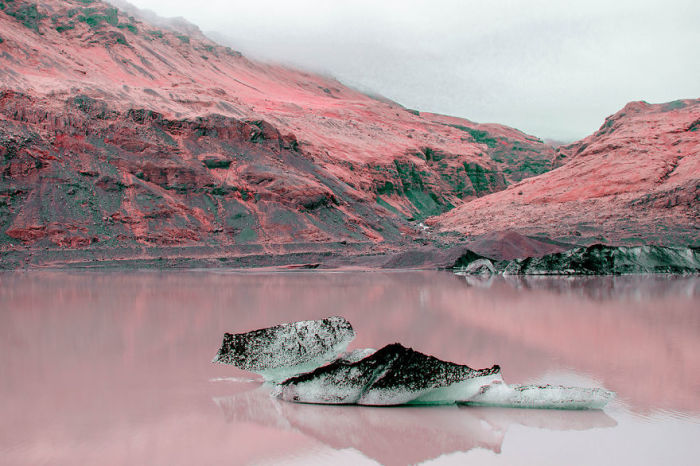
(113, 368)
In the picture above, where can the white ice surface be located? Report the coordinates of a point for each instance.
(539, 396)
(463, 390)
(487, 390)
(286, 350)
(280, 374)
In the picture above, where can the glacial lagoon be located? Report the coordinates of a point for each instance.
(113, 367)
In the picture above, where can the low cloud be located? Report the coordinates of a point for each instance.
(553, 69)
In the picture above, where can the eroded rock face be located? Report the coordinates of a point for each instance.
(285, 350)
(390, 376)
(118, 133)
(608, 260)
(597, 259)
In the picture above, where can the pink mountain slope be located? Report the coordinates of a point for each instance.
(122, 140)
(118, 134)
(637, 179)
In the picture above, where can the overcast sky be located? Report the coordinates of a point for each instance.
(551, 68)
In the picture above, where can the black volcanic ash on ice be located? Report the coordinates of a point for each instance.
(296, 359)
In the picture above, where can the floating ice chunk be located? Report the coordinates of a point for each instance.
(394, 375)
(540, 396)
(479, 267)
(285, 350)
(296, 356)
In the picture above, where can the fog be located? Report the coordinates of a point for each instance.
(552, 69)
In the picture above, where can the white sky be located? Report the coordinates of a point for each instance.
(551, 68)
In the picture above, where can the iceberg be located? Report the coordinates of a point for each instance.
(479, 267)
(306, 362)
(539, 396)
(393, 375)
(280, 352)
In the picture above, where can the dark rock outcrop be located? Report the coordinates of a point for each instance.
(597, 259)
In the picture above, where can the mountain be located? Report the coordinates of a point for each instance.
(129, 139)
(636, 180)
(121, 139)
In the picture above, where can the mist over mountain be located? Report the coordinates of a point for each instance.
(552, 69)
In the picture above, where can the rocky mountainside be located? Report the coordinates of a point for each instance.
(636, 180)
(117, 134)
(127, 140)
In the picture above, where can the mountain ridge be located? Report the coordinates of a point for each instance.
(637, 180)
(124, 140)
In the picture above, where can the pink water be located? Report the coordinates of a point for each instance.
(113, 368)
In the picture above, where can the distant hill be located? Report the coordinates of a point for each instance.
(636, 180)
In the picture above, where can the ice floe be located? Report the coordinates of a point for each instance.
(305, 362)
(393, 375)
(280, 352)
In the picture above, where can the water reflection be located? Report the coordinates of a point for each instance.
(116, 365)
(400, 435)
(594, 287)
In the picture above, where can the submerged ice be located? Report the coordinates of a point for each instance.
(306, 363)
